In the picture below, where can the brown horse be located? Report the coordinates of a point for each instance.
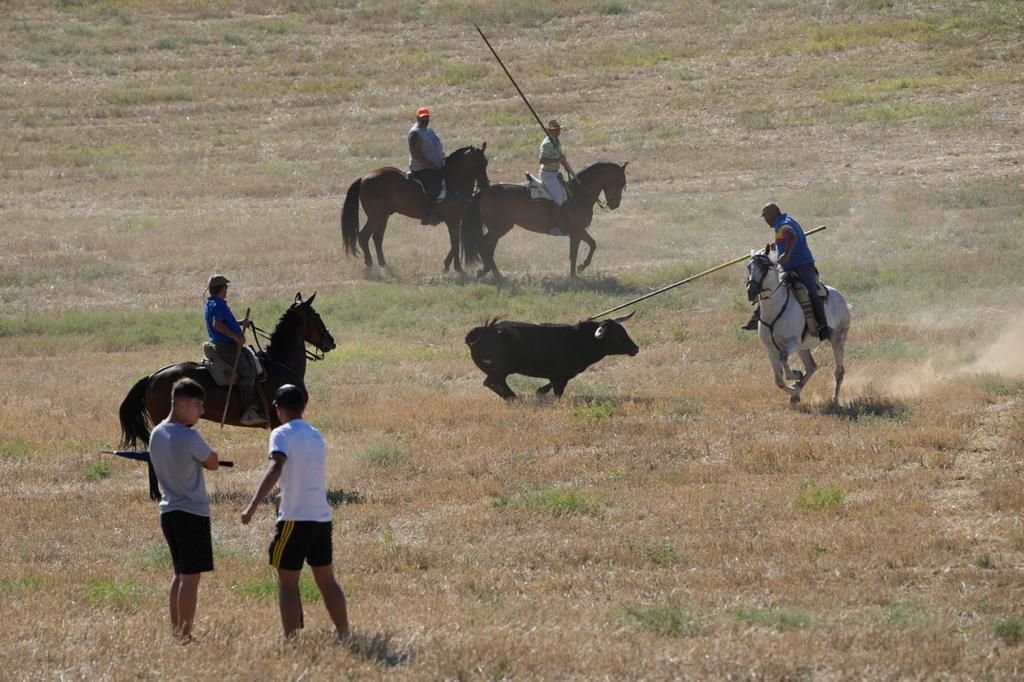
(284, 362)
(504, 205)
(389, 190)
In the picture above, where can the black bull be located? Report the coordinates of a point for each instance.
(556, 352)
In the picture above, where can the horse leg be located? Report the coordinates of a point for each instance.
(378, 244)
(453, 253)
(364, 241)
(574, 249)
(810, 367)
(838, 341)
(488, 246)
(591, 247)
(500, 386)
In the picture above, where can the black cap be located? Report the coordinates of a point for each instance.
(290, 396)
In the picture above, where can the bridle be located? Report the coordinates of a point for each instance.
(314, 355)
(763, 261)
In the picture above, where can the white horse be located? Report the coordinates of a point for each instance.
(782, 323)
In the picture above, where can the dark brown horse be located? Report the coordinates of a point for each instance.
(389, 190)
(284, 362)
(503, 205)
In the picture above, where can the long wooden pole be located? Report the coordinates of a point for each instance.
(234, 371)
(523, 96)
(688, 279)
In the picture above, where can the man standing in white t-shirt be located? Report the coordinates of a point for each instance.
(298, 458)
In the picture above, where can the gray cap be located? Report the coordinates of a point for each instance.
(217, 281)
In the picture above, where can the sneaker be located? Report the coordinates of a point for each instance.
(251, 418)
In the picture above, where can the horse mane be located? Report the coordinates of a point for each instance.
(596, 164)
(460, 151)
(285, 328)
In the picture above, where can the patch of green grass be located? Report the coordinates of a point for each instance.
(278, 26)
(459, 73)
(16, 450)
(22, 584)
(153, 556)
(614, 55)
(553, 501)
(123, 595)
(235, 39)
(266, 588)
(612, 7)
(79, 29)
(785, 618)
(597, 411)
(667, 618)
(149, 94)
(900, 614)
(858, 34)
(167, 43)
(812, 497)
(110, 330)
(985, 561)
(1010, 630)
(385, 454)
(663, 554)
(997, 385)
(682, 407)
(97, 471)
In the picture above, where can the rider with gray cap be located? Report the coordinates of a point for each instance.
(228, 337)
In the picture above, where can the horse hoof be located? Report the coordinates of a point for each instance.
(794, 399)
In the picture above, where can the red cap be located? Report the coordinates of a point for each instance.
(422, 111)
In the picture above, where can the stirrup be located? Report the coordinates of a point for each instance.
(251, 417)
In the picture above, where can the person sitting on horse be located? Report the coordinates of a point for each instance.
(552, 158)
(228, 337)
(426, 163)
(794, 256)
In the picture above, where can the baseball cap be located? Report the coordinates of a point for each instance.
(422, 111)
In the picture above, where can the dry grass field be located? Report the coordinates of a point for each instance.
(672, 516)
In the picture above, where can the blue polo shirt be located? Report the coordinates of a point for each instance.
(217, 309)
(801, 252)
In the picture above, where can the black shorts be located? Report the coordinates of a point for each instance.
(298, 541)
(188, 536)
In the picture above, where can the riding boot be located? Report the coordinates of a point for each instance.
(428, 211)
(554, 218)
(251, 416)
(824, 332)
(751, 324)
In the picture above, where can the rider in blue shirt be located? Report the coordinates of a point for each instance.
(228, 337)
(794, 256)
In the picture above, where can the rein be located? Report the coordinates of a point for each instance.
(762, 297)
(312, 356)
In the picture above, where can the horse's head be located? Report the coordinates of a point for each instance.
(761, 274)
(606, 177)
(314, 331)
(468, 165)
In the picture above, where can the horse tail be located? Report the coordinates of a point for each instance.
(350, 218)
(472, 231)
(134, 419)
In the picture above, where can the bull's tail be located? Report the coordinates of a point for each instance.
(135, 423)
(350, 218)
(472, 231)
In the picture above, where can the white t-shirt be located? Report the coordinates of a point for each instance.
(303, 491)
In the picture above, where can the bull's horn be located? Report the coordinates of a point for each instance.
(622, 319)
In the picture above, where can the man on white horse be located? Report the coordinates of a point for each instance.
(794, 256)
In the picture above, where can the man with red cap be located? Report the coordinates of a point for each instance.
(426, 161)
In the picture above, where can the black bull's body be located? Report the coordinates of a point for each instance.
(556, 352)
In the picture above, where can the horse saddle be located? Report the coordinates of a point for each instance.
(423, 190)
(220, 370)
(800, 291)
(537, 189)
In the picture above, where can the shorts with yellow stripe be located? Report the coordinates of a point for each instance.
(298, 541)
